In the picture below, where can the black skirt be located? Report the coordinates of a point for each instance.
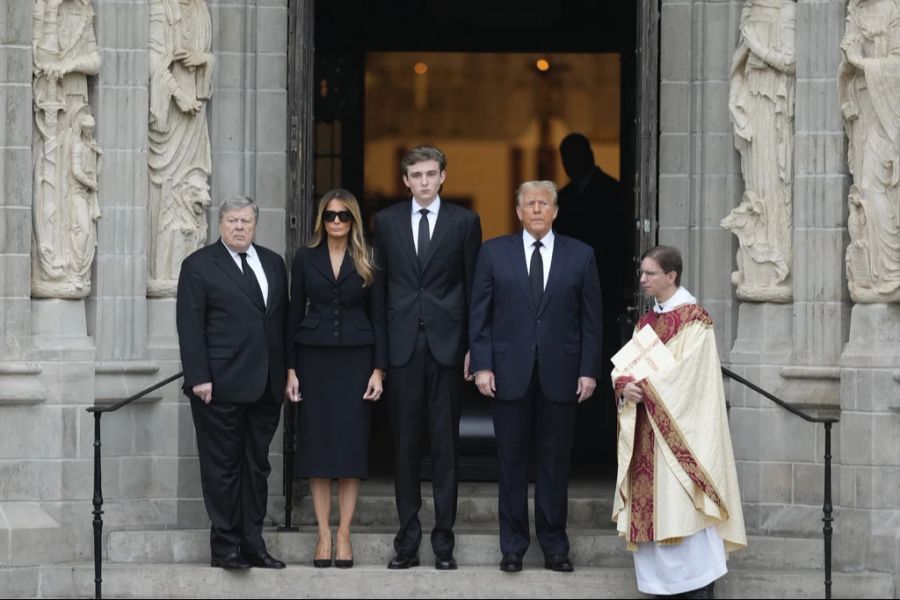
(333, 420)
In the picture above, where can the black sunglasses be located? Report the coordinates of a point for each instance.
(344, 216)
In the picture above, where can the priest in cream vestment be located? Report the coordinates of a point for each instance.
(677, 502)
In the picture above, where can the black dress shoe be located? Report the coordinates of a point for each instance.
(444, 562)
(404, 561)
(232, 561)
(511, 563)
(561, 564)
(264, 560)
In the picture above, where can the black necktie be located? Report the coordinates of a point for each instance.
(251, 277)
(536, 273)
(424, 235)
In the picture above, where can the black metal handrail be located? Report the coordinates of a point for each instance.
(827, 507)
(98, 412)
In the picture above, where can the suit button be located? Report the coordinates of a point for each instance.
(337, 323)
(334, 333)
(335, 301)
(538, 321)
(336, 311)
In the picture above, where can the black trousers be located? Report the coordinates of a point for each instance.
(521, 425)
(423, 391)
(233, 446)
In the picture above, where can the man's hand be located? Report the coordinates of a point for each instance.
(586, 387)
(203, 391)
(466, 374)
(633, 393)
(484, 381)
(292, 388)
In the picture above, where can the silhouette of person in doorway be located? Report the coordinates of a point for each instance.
(591, 209)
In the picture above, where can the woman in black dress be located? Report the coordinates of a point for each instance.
(337, 356)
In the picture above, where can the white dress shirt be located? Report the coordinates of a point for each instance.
(433, 210)
(256, 265)
(546, 251)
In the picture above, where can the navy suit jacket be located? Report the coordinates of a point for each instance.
(508, 333)
(226, 335)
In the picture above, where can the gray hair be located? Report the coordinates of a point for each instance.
(546, 186)
(237, 203)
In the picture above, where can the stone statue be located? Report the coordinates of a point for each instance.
(181, 71)
(66, 158)
(869, 86)
(761, 102)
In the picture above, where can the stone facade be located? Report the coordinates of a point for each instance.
(58, 356)
(820, 351)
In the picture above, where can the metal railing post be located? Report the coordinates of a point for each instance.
(98, 511)
(827, 509)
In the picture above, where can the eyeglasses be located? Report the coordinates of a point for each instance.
(641, 273)
(343, 215)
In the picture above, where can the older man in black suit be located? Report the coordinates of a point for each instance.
(232, 302)
(427, 249)
(535, 340)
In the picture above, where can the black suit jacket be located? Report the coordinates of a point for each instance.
(340, 310)
(508, 332)
(226, 335)
(439, 291)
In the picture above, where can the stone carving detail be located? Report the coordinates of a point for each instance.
(181, 71)
(66, 158)
(761, 102)
(869, 86)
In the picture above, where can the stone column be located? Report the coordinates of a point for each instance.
(870, 373)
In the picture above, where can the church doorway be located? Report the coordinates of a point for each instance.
(496, 86)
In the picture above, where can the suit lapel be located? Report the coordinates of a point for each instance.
(322, 262)
(347, 267)
(403, 223)
(227, 264)
(517, 260)
(445, 218)
(557, 265)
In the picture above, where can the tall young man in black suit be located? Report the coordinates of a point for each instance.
(427, 249)
(535, 337)
(232, 302)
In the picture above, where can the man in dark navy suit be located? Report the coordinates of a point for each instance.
(427, 249)
(232, 302)
(535, 342)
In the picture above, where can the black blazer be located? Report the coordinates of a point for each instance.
(340, 310)
(440, 290)
(508, 332)
(226, 335)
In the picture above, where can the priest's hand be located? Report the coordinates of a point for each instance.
(633, 393)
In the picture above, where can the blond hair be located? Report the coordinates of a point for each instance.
(360, 251)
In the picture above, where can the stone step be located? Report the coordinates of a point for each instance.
(590, 505)
(374, 546)
(201, 581)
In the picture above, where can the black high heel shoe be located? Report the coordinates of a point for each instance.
(321, 563)
(341, 563)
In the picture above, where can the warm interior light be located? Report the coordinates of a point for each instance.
(420, 68)
(542, 64)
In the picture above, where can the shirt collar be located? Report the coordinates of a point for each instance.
(251, 251)
(681, 296)
(434, 207)
(546, 241)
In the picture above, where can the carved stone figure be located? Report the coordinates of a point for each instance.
(65, 155)
(761, 102)
(869, 86)
(181, 71)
